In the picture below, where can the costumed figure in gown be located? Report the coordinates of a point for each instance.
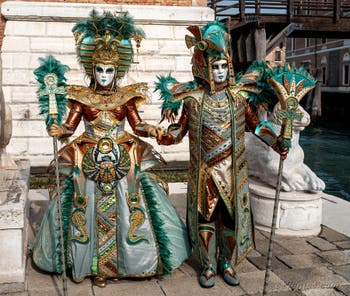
(117, 219)
(216, 113)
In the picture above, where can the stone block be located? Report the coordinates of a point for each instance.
(155, 64)
(40, 160)
(343, 245)
(180, 32)
(334, 208)
(24, 128)
(7, 92)
(11, 44)
(343, 270)
(260, 263)
(322, 292)
(15, 60)
(25, 111)
(24, 94)
(332, 235)
(253, 282)
(41, 145)
(58, 29)
(183, 63)
(282, 293)
(344, 289)
(337, 257)
(13, 228)
(12, 265)
(189, 286)
(25, 28)
(69, 46)
(16, 77)
(302, 260)
(262, 247)
(172, 47)
(253, 253)
(245, 266)
(158, 32)
(123, 288)
(321, 243)
(18, 146)
(295, 245)
(13, 289)
(48, 45)
(149, 47)
(310, 278)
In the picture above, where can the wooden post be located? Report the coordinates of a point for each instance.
(257, 7)
(260, 44)
(336, 11)
(290, 10)
(242, 9)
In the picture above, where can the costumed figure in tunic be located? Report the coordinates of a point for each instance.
(216, 113)
(117, 219)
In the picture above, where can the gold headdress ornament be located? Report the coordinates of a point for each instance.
(106, 39)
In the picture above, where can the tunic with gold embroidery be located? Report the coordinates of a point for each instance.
(216, 124)
(118, 221)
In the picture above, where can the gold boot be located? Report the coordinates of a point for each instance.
(100, 281)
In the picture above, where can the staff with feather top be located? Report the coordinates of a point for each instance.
(52, 103)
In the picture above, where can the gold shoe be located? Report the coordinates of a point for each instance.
(100, 282)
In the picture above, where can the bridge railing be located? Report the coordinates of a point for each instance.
(250, 9)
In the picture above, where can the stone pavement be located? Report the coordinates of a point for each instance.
(310, 266)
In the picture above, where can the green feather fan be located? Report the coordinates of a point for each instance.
(51, 92)
(166, 94)
(267, 96)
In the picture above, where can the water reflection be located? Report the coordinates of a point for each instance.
(327, 153)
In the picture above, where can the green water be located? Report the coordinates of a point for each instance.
(327, 153)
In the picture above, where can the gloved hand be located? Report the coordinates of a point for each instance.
(56, 130)
(281, 146)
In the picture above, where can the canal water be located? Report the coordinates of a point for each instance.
(327, 153)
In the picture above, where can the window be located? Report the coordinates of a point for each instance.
(277, 55)
(324, 70)
(307, 42)
(293, 44)
(324, 76)
(346, 69)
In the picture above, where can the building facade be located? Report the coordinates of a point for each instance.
(37, 29)
(329, 61)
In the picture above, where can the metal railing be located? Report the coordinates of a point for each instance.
(240, 9)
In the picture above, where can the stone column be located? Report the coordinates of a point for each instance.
(13, 216)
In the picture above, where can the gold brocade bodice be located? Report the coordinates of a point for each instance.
(103, 113)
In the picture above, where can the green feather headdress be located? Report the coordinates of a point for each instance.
(107, 37)
(51, 92)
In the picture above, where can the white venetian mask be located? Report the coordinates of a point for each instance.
(220, 70)
(104, 74)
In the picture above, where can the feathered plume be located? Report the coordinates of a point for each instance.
(51, 92)
(120, 25)
(167, 95)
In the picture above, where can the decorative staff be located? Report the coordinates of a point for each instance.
(290, 85)
(52, 103)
